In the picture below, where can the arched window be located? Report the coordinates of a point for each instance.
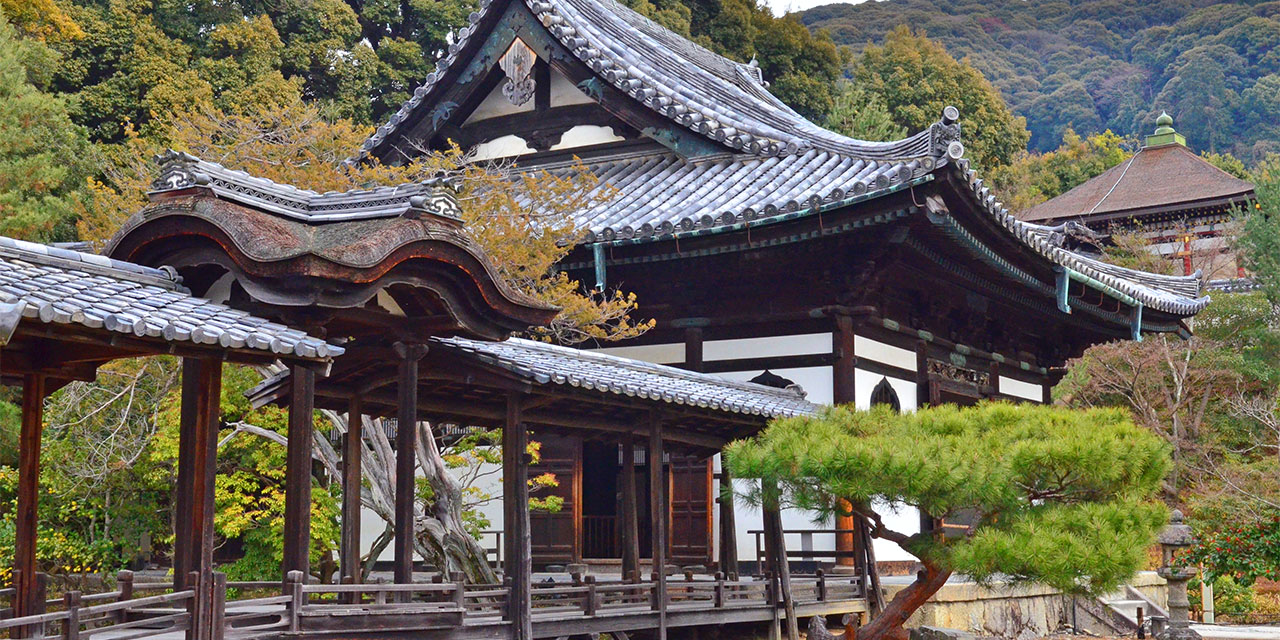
(883, 393)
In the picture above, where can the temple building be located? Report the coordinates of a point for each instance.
(765, 246)
(1174, 198)
(786, 267)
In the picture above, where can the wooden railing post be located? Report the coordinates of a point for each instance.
(655, 596)
(380, 596)
(293, 589)
(194, 619)
(218, 606)
(71, 628)
(124, 584)
(591, 602)
(822, 586)
(39, 605)
(350, 598)
(460, 592)
(719, 596)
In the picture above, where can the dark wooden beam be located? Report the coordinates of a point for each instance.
(630, 517)
(693, 348)
(515, 501)
(297, 492)
(768, 362)
(349, 560)
(776, 545)
(24, 551)
(657, 516)
(843, 375)
(728, 525)
(194, 510)
(406, 457)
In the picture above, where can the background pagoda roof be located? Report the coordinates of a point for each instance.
(1166, 178)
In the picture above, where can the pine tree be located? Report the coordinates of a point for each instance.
(1058, 496)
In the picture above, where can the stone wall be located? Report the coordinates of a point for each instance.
(1008, 611)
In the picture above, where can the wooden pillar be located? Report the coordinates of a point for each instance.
(658, 518)
(406, 458)
(197, 467)
(24, 556)
(994, 372)
(728, 525)
(630, 517)
(693, 348)
(297, 487)
(843, 375)
(349, 557)
(777, 554)
(515, 503)
(923, 396)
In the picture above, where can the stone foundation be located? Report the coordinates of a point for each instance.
(1021, 611)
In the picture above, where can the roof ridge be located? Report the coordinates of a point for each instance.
(181, 170)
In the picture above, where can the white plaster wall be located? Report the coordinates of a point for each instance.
(1020, 389)
(504, 147)
(655, 353)
(495, 104)
(585, 135)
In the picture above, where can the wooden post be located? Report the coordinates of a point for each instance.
(728, 525)
(630, 516)
(195, 615)
(693, 348)
(297, 491)
(777, 551)
(515, 501)
(658, 513)
(293, 588)
(71, 626)
(24, 556)
(843, 375)
(406, 458)
(349, 558)
(923, 395)
(217, 606)
(124, 584)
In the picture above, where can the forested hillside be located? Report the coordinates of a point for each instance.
(1104, 64)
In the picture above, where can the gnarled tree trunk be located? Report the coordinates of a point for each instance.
(888, 625)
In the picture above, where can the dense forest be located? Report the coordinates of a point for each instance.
(1094, 65)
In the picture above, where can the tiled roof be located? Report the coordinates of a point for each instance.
(1178, 295)
(1168, 176)
(182, 170)
(69, 287)
(723, 100)
(544, 363)
(656, 194)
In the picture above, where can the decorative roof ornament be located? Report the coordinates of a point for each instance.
(1165, 133)
(944, 135)
(517, 63)
(177, 171)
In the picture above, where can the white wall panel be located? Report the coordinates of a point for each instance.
(885, 353)
(1018, 388)
(766, 347)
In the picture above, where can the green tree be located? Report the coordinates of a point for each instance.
(916, 78)
(1059, 496)
(860, 114)
(1260, 236)
(1033, 178)
(43, 156)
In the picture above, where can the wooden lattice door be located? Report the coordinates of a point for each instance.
(691, 500)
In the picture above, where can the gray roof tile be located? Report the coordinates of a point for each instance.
(60, 286)
(552, 364)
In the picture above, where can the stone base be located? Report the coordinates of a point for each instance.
(843, 570)
(1178, 633)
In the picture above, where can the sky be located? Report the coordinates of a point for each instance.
(781, 7)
